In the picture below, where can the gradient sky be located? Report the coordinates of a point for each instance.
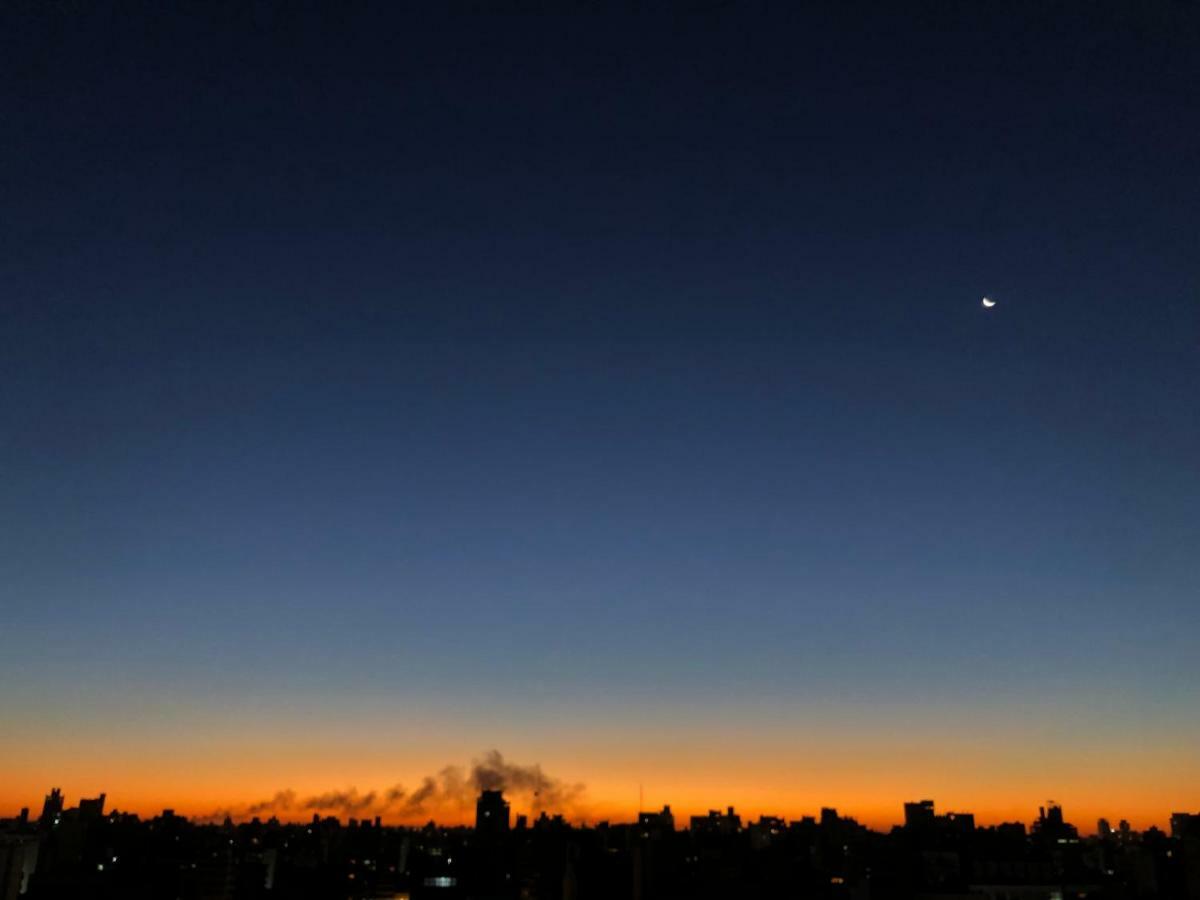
(611, 389)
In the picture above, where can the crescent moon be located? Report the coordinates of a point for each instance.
(988, 302)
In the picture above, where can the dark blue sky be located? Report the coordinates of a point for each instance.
(601, 357)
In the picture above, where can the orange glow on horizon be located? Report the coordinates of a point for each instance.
(998, 764)
(876, 811)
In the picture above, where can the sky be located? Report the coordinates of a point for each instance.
(608, 387)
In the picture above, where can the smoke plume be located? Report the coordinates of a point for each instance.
(450, 793)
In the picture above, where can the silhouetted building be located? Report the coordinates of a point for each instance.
(491, 813)
(657, 822)
(91, 809)
(1050, 825)
(716, 823)
(766, 831)
(1185, 825)
(921, 818)
(918, 814)
(959, 823)
(52, 808)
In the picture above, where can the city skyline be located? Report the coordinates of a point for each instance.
(451, 796)
(493, 809)
(65, 852)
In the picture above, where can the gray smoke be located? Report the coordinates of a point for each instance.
(452, 791)
(349, 803)
(424, 794)
(283, 800)
(494, 773)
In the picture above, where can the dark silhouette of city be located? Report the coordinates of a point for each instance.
(87, 852)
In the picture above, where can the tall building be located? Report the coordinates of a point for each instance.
(491, 813)
(1051, 826)
(918, 814)
(52, 807)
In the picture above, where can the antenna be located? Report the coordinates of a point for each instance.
(641, 798)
